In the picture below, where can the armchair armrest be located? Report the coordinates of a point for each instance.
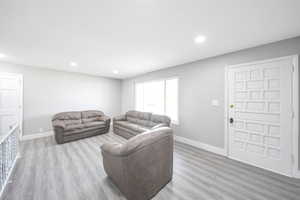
(58, 123)
(112, 149)
(119, 118)
(159, 126)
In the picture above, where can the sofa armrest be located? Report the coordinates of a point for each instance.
(104, 118)
(159, 126)
(59, 124)
(112, 149)
(119, 118)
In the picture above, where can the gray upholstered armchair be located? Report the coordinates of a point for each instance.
(141, 166)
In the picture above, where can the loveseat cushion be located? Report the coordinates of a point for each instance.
(159, 119)
(100, 124)
(72, 127)
(138, 117)
(81, 131)
(91, 114)
(127, 131)
(67, 116)
(72, 122)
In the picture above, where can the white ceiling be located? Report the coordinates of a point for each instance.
(137, 36)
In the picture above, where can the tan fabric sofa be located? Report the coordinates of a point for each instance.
(141, 166)
(135, 122)
(69, 126)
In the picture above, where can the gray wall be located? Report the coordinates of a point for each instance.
(47, 92)
(202, 81)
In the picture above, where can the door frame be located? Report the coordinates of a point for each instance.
(295, 104)
(20, 77)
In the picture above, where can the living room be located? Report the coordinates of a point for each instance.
(149, 100)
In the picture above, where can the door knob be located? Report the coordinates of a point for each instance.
(231, 120)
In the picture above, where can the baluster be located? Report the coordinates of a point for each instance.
(8, 153)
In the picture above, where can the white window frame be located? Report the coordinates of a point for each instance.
(176, 122)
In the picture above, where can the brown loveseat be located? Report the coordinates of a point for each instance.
(69, 126)
(141, 166)
(136, 122)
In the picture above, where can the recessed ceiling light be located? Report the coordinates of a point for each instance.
(200, 39)
(2, 55)
(115, 71)
(73, 64)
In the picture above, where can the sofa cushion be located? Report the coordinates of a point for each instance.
(127, 131)
(157, 119)
(94, 124)
(82, 131)
(92, 119)
(142, 122)
(126, 124)
(72, 122)
(135, 116)
(91, 114)
(131, 126)
(67, 116)
(74, 127)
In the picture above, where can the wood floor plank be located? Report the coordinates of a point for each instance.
(74, 171)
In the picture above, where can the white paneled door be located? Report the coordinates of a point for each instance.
(10, 102)
(260, 114)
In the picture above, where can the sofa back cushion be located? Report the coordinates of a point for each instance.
(147, 118)
(91, 115)
(68, 117)
(159, 119)
(137, 117)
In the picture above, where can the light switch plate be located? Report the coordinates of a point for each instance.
(215, 102)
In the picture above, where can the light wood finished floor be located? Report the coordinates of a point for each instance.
(73, 171)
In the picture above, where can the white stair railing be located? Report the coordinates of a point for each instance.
(8, 155)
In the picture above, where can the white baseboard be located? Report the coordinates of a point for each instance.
(37, 135)
(207, 147)
(296, 173)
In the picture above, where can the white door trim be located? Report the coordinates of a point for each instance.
(295, 148)
(20, 77)
(295, 99)
(226, 115)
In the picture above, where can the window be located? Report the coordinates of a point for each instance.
(160, 97)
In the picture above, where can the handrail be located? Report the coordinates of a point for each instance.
(9, 133)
